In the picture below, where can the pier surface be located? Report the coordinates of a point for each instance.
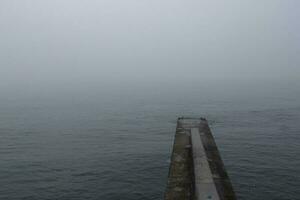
(196, 170)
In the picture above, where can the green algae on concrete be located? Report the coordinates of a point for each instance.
(181, 182)
(180, 172)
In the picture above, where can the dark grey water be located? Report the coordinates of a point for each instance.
(112, 144)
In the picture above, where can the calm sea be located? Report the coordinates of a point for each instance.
(113, 142)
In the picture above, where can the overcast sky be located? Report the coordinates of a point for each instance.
(62, 41)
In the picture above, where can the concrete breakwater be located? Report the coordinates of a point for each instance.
(196, 170)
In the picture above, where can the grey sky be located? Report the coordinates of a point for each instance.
(44, 41)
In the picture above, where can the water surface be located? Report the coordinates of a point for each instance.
(115, 143)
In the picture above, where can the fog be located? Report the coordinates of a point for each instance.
(54, 43)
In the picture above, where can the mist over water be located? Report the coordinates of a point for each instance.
(90, 93)
(101, 144)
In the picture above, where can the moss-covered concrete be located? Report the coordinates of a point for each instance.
(181, 173)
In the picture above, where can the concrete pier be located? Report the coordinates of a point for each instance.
(196, 170)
